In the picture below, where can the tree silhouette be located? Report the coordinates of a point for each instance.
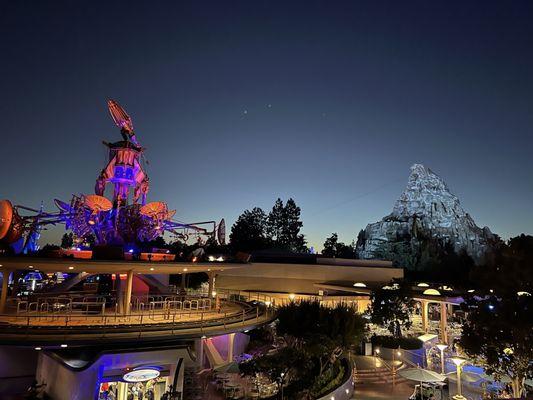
(498, 331)
(334, 248)
(249, 232)
(284, 225)
(67, 240)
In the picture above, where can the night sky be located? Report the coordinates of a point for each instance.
(240, 103)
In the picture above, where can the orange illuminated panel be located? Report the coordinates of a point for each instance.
(157, 257)
(83, 254)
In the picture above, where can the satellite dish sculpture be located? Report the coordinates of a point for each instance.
(125, 219)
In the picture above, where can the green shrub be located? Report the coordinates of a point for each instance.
(329, 380)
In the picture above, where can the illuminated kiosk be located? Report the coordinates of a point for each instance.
(82, 342)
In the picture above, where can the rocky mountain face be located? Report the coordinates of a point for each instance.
(425, 212)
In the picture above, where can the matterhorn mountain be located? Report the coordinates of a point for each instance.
(427, 215)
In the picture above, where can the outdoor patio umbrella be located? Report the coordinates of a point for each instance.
(421, 375)
(466, 376)
(492, 378)
(229, 368)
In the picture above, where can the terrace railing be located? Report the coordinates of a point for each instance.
(171, 317)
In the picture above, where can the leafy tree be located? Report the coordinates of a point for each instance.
(498, 334)
(391, 306)
(276, 222)
(322, 331)
(292, 238)
(334, 248)
(498, 331)
(67, 240)
(157, 243)
(284, 225)
(330, 246)
(511, 268)
(248, 233)
(315, 337)
(289, 362)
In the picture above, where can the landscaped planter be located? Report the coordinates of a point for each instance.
(409, 357)
(345, 390)
(411, 349)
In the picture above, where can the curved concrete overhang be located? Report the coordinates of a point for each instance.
(80, 359)
(72, 265)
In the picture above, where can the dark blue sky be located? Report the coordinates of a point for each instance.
(241, 102)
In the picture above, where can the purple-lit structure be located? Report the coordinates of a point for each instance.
(125, 219)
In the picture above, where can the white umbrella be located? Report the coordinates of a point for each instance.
(492, 378)
(421, 375)
(467, 377)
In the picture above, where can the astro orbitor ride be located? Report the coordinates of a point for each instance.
(124, 219)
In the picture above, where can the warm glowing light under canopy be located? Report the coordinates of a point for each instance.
(141, 375)
(432, 292)
(422, 284)
(458, 361)
(359, 284)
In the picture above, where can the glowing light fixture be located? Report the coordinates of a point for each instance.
(442, 347)
(458, 361)
(151, 268)
(292, 296)
(64, 345)
(38, 348)
(422, 284)
(359, 284)
(432, 292)
(70, 267)
(141, 375)
(518, 293)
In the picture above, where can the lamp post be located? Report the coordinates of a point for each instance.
(442, 347)
(458, 361)
(398, 353)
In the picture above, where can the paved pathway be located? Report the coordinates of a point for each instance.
(378, 391)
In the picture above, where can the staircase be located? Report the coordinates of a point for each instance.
(373, 370)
